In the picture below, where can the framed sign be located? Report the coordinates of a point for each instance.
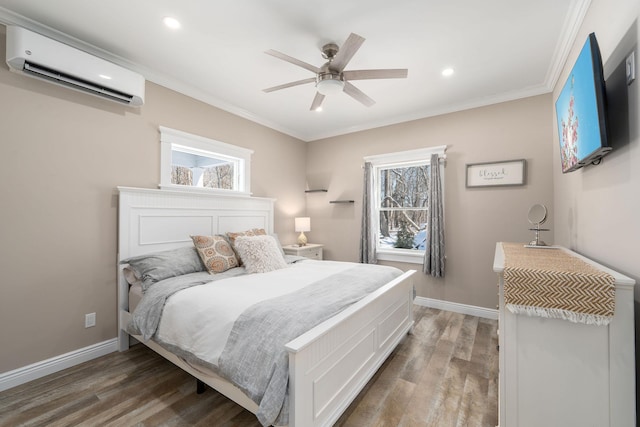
(492, 174)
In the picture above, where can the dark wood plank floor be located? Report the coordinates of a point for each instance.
(445, 374)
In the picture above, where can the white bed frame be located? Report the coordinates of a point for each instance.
(328, 365)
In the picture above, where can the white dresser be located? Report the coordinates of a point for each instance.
(555, 373)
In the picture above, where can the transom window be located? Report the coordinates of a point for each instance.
(191, 162)
(201, 169)
(400, 202)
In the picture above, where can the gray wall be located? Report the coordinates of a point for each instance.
(63, 154)
(597, 207)
(475, 219)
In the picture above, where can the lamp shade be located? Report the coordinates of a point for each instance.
(303, 223)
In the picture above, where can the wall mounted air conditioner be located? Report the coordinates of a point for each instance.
(41, 57)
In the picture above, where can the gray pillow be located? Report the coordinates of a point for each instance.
(156, 266)
(275, 236)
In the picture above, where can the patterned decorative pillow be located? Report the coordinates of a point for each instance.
(216, 253)
(260, 254)
(253, 232)
(233, 235)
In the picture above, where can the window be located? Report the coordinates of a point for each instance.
(195, 163)
(400, 202)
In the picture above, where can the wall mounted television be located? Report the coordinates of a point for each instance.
(581, 111)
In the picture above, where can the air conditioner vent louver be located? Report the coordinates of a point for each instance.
(43, 58)
(75, 83)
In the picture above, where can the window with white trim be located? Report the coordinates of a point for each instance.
(400, 202)
(195, 163)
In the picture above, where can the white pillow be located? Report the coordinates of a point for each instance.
(259, 254)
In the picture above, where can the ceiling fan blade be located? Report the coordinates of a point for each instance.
(346, 52)
(317, 101)
(357, 94)
(290, 84)
(293, 60)
(399, 73)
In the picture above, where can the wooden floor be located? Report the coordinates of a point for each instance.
(445, 374)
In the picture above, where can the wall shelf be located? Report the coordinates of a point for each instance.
(341, 201)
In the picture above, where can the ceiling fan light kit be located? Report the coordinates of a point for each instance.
(331, 78)
(329, 84)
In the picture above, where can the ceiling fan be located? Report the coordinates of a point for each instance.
(331, 77)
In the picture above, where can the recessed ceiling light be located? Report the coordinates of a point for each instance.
(447, 72)
(318, 109)
(172, 23)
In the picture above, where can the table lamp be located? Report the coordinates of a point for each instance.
(303, 224)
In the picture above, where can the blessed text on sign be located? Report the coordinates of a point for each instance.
(511, 172)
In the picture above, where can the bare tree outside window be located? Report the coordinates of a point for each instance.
(181, 175)
(403, 207)
(220, 176)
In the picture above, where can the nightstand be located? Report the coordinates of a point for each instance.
(310, 250)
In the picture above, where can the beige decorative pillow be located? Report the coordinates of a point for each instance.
(130, 276)
(253, 232)
(260, 254)
(216, 253)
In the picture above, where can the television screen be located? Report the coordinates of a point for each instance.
(581, 111)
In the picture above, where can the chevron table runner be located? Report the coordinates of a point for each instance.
(553, 283)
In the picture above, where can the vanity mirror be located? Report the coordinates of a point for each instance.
(537, 215)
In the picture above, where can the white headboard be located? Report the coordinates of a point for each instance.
(154, 220)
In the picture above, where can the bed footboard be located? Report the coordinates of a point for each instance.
(331, 364)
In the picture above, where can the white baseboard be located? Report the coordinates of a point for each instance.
(58, 363)
(471, 310)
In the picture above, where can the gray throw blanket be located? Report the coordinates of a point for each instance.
(254, 357)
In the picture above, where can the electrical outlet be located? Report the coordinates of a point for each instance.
(89, 320)
(630, 67)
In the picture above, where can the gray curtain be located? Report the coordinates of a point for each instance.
(367, 235)
(434, 248)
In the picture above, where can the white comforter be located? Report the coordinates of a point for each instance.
(218, 305)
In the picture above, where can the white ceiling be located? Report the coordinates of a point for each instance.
(500, 50)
